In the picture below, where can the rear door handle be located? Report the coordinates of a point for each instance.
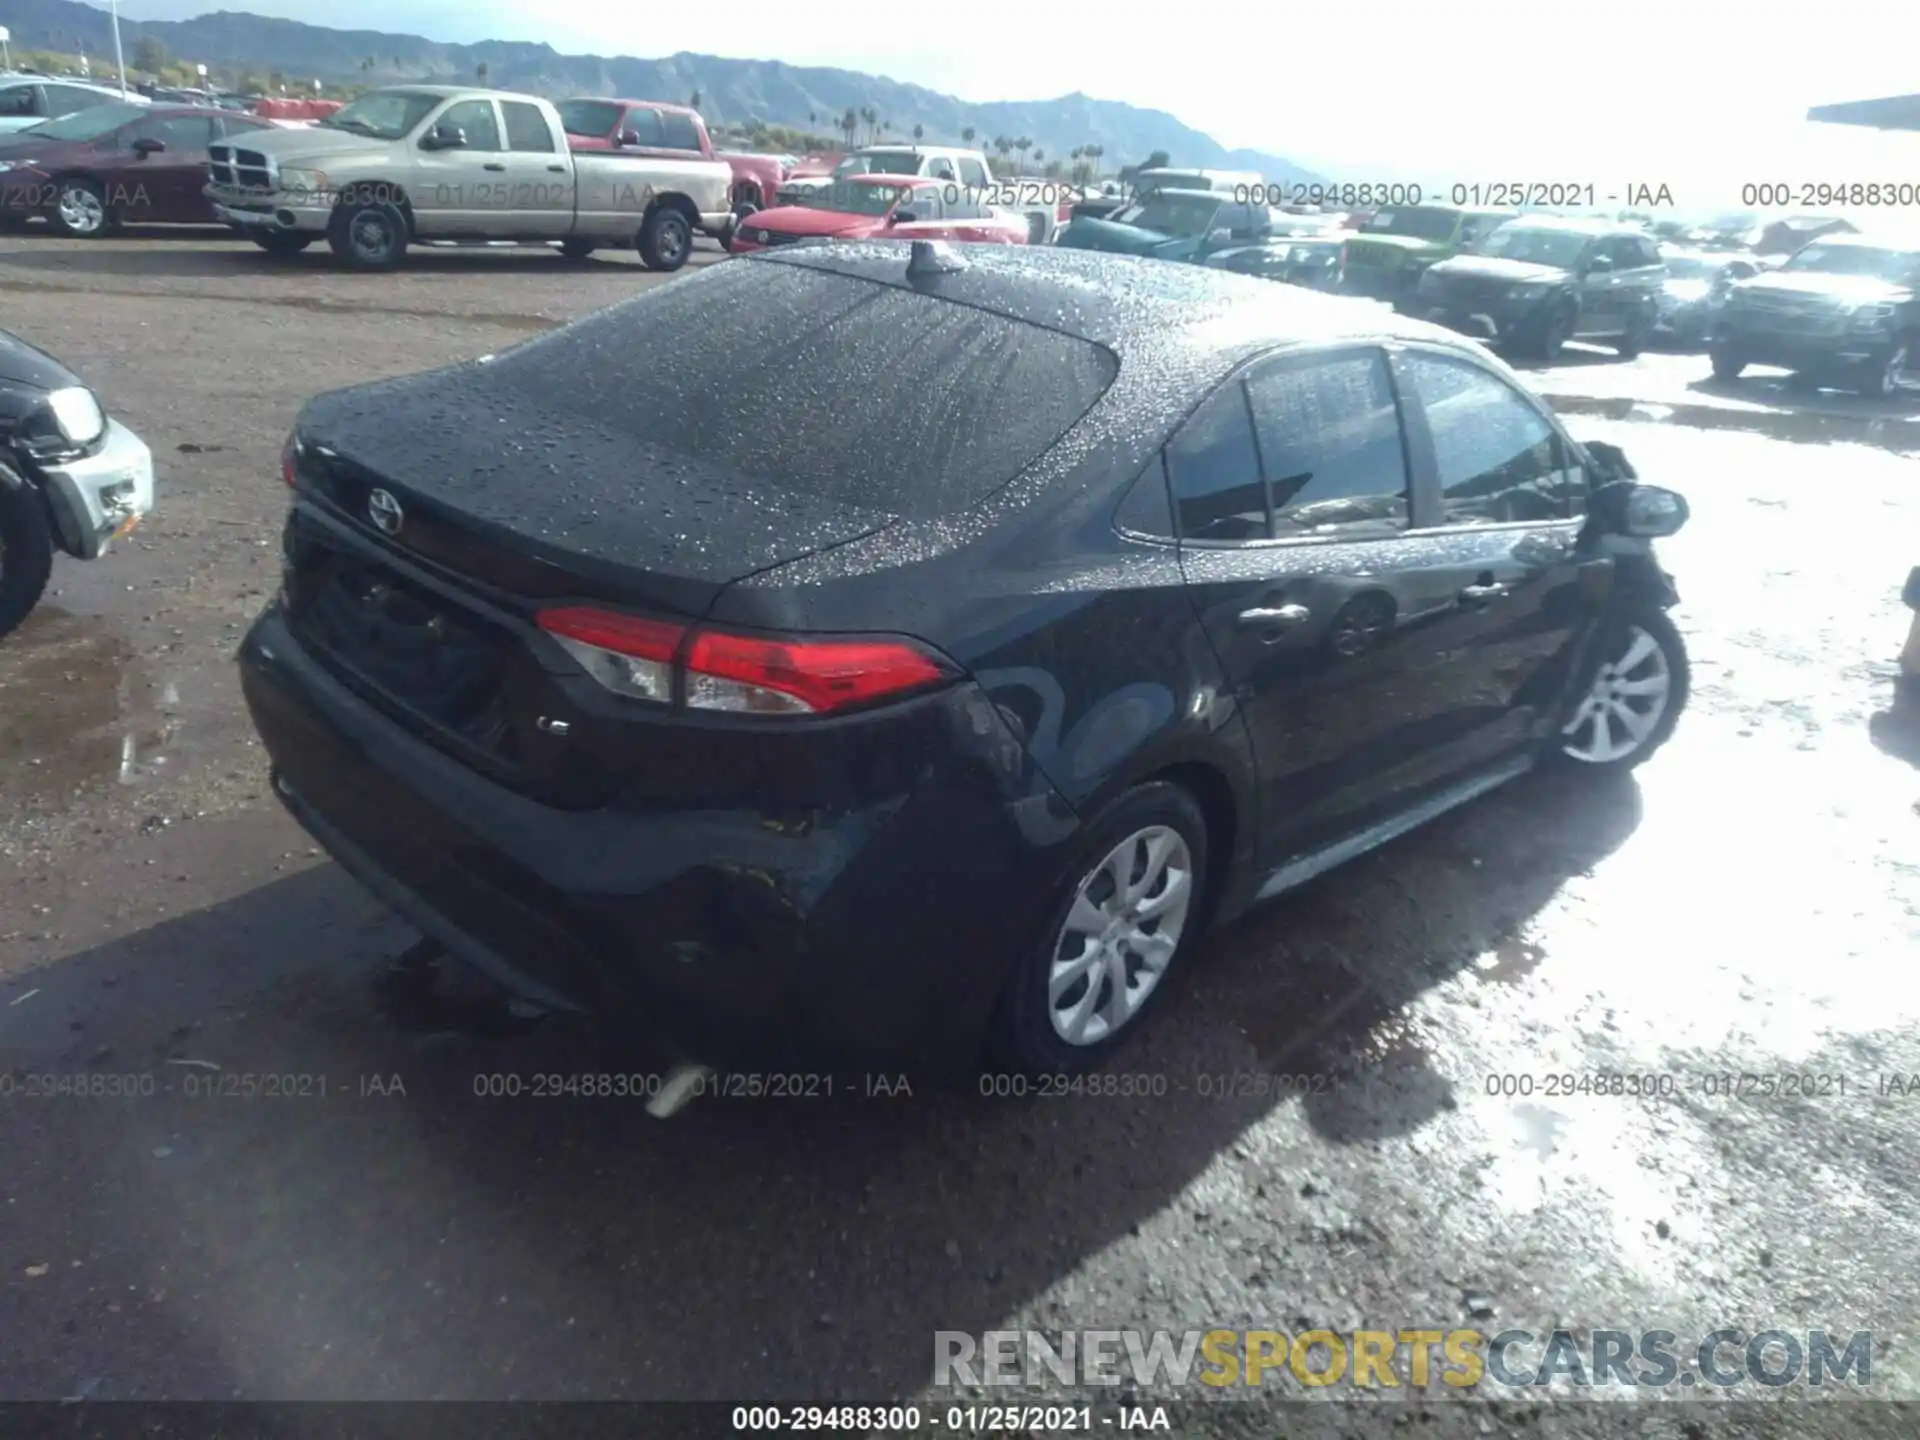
(1275, 619)
(1482, 594)
(558, 169)
(493, 165)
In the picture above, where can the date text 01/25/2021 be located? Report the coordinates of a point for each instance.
(1707, 1084)
(960, 1419)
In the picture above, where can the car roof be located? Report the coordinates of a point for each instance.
(925, 182)
(1578, 225)
(664, 106)
(445, 90)
(1128, 304)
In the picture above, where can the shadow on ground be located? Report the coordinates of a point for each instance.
(452, 1242)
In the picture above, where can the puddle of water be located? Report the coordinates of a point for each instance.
(78, 709)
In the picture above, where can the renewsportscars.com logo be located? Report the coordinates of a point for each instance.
(1392, 1359)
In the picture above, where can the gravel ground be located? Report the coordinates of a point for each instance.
(1749, 905)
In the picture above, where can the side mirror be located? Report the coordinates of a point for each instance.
(1646, 511)
(148, 145)
(627, 136)
(445, 137)
(903, 217)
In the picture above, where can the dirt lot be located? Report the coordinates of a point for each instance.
(1749, 906)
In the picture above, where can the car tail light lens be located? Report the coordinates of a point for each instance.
(290, 461)
(723, 670)
(628, 655)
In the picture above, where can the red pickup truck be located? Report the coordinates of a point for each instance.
(648, 127)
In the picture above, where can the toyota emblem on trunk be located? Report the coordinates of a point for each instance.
(385, 511)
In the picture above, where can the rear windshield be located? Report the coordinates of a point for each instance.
(590, 117)
(1420, 222)
(896, 163)
(805, 381)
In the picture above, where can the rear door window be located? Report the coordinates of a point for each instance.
(1329, 434)
(526, 127)
(804, 380)
(1213, 468)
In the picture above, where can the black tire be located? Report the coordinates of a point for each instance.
(1727, 364)
(77, 196)
(1887, 379)
(281, 242)
(666, 239)
(26, 550)
(575, 248)
(1630, 345)
(368, 234)
(1614, 644)
(1022, 1036)
(1554, 333)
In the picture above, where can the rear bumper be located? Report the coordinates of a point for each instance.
(881, 933)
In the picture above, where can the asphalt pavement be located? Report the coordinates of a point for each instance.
(1749, 906)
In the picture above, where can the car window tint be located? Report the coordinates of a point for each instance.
(677, 132)
(1329, 435)
(1498, 459)
(66, 99)
(16, 100)
(526, 127)
(179, 132)
(974, 174)
(476, 118)
(1214, 471)
(1145, 510)
(646, 124)
(797, 379)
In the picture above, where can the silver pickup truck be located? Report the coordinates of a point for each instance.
(445, 163)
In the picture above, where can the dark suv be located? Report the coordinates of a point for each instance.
(1539, 282)
(1843, 308)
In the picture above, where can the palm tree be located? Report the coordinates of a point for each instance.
(968, 134)
(1023, 144)
(872, 117)
(1038, 156)
(366, 64)
(693, 103)
(919, 133)
(850, 122)
(1094, 152)
(812, 119)
(480, 72)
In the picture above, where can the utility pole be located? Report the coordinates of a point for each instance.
(119, 60)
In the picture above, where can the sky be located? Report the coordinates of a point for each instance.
(1698, 95)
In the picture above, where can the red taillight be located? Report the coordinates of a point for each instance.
(784, 677)
(289, 461)
(745, 674)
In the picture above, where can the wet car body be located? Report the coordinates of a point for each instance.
(1845, 308)
(1538, 282)
(865, 877)
(869, 207)
(1910, 652)
(1172, 224)
(71, 478)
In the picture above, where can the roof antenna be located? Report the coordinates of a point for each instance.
(933, 257)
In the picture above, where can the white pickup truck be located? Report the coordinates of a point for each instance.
(444, 163)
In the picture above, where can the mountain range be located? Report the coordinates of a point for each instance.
(731, 91)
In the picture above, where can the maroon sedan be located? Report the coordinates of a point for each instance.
(95, 169)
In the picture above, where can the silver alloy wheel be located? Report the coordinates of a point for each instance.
(674, 242)
(1624, 705)
(82, 211)
(1125, 924)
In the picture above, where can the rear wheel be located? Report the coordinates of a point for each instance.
(26, 550)
(1727, 364)
(1889, 378)
(80, 209)
(1123, 914)
(1633, 698)
(281, 242)
(368, 234)
(666, 239)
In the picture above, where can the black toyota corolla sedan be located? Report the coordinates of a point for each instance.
(914, 657)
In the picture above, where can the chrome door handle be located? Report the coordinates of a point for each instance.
(1481, 594)
(1284, 617)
